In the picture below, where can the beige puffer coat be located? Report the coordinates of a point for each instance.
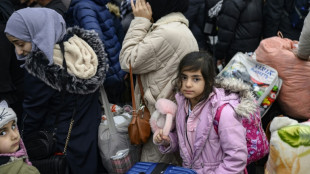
(155, 52)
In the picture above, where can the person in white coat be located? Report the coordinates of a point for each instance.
(156, 41)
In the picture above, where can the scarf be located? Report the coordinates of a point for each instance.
(81, 59)
(42, 27)
(161, 8)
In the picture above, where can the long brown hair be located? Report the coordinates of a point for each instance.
(195, 61)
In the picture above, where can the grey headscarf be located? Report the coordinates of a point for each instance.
(42, 27)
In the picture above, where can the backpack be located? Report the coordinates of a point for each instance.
(257, 143)
(299, 12)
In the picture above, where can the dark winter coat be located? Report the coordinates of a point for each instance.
(50, 96)
(94, 15)
(239, 27)
(11, 76)
(276, 19)
(195, 14)
(58, 6)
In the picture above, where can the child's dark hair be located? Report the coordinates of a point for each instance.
(195, 61)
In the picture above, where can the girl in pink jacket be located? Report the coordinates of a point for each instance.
(198, 98)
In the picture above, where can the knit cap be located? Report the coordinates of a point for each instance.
(6, 114)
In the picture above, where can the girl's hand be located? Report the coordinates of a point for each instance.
(162, 139)
(141, 9)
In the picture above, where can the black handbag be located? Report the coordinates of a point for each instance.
(41, 145)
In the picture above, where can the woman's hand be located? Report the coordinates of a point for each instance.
(162, 139)
(141, 9)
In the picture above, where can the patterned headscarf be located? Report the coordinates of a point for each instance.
(42, 27)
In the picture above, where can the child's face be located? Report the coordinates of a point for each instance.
(9, 138)
(22, 48)
(193, 85)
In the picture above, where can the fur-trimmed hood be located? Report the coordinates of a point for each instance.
(247, 103)
(37, 65)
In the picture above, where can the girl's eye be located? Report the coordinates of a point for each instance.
(183, 77)
(196, 79)
(2, 133)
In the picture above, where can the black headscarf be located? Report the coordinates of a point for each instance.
(161, 8)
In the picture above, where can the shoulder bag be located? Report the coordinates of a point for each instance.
(139, 129)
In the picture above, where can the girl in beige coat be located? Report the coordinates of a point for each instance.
(154, 51)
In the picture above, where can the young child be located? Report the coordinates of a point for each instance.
(201, 147)
(13, 155)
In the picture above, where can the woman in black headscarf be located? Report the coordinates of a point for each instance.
(154, 51)
(163, 7)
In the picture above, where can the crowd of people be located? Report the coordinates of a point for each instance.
(55, 56)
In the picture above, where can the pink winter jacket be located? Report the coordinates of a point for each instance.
(222, 153)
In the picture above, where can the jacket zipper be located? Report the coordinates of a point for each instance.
(187, 137)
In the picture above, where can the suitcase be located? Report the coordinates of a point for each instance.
(158, 168)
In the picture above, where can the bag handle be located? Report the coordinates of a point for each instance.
(108, 113)
(133, 100)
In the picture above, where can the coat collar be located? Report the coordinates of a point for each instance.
(52, 75)
(171, 17)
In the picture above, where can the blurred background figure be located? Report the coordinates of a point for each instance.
(196, 18)
(285, 16)
(240, 25)
(11, 75)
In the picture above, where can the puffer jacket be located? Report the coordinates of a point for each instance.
(276, 18)
(211, 152)
(240, 25)
(94, 15)
(154, 51)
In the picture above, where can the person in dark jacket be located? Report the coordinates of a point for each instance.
(240, 25)
(276, 18)
(94, 15)
(56, 5)
(11, 76)
(57, 87)
(195, 14)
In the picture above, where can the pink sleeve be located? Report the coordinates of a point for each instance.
(233, 142)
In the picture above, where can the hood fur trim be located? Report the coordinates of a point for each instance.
(247, 104)
(37, 65)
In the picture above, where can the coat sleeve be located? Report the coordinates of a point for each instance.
(273, 11)
(36, 102)
(146, 50)
(233, 142)
(227, 23)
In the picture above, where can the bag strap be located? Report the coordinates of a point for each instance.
(134, 108)
(108, 113)
(217, 117)
(133, 100)
(64, 72)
